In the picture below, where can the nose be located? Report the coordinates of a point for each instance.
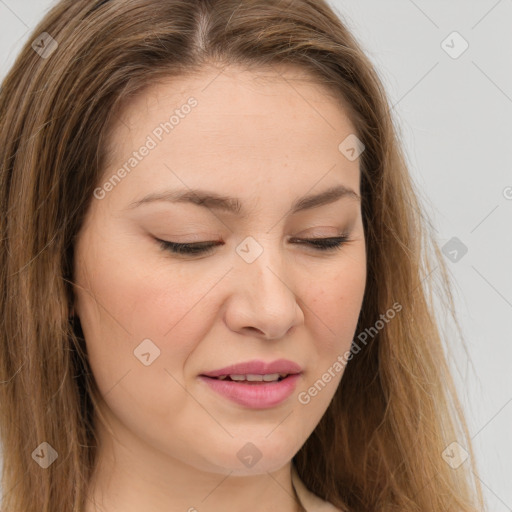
(264, 297)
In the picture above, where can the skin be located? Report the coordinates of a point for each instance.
(169, 443)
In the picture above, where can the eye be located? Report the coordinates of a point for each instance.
(324, 244)
(319, 244)
(197, 248)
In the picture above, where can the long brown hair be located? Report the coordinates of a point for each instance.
(380, 444)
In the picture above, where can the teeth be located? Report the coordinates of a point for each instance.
(272, 377)
(254, 378)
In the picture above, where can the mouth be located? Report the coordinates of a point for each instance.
(252, 379)
(255, 384)
(253, 391)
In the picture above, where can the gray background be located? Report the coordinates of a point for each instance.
(455, 116)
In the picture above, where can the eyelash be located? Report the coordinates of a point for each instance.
(320, 244)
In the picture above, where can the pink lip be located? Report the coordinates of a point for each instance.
(260, 395)
(257, 367)
(256, 396)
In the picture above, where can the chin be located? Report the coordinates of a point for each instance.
(252, 459)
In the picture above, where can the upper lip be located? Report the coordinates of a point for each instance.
(257, 367)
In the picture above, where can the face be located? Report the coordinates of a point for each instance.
(156, 321)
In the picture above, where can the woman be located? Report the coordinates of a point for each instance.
(215, 271)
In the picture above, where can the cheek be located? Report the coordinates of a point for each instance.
(140, 294)
(335, 302)
(129, 301)
(138, 335)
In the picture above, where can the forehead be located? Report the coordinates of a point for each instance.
(265, 99)
(274, 126)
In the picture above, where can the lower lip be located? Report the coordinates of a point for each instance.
(256, 396)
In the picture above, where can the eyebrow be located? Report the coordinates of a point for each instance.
(209, 199)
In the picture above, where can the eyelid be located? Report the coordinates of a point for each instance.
(312, 232)
(327, 245)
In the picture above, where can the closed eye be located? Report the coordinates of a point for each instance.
(319, 244)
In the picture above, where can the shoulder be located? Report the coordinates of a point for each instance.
(311, 502)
